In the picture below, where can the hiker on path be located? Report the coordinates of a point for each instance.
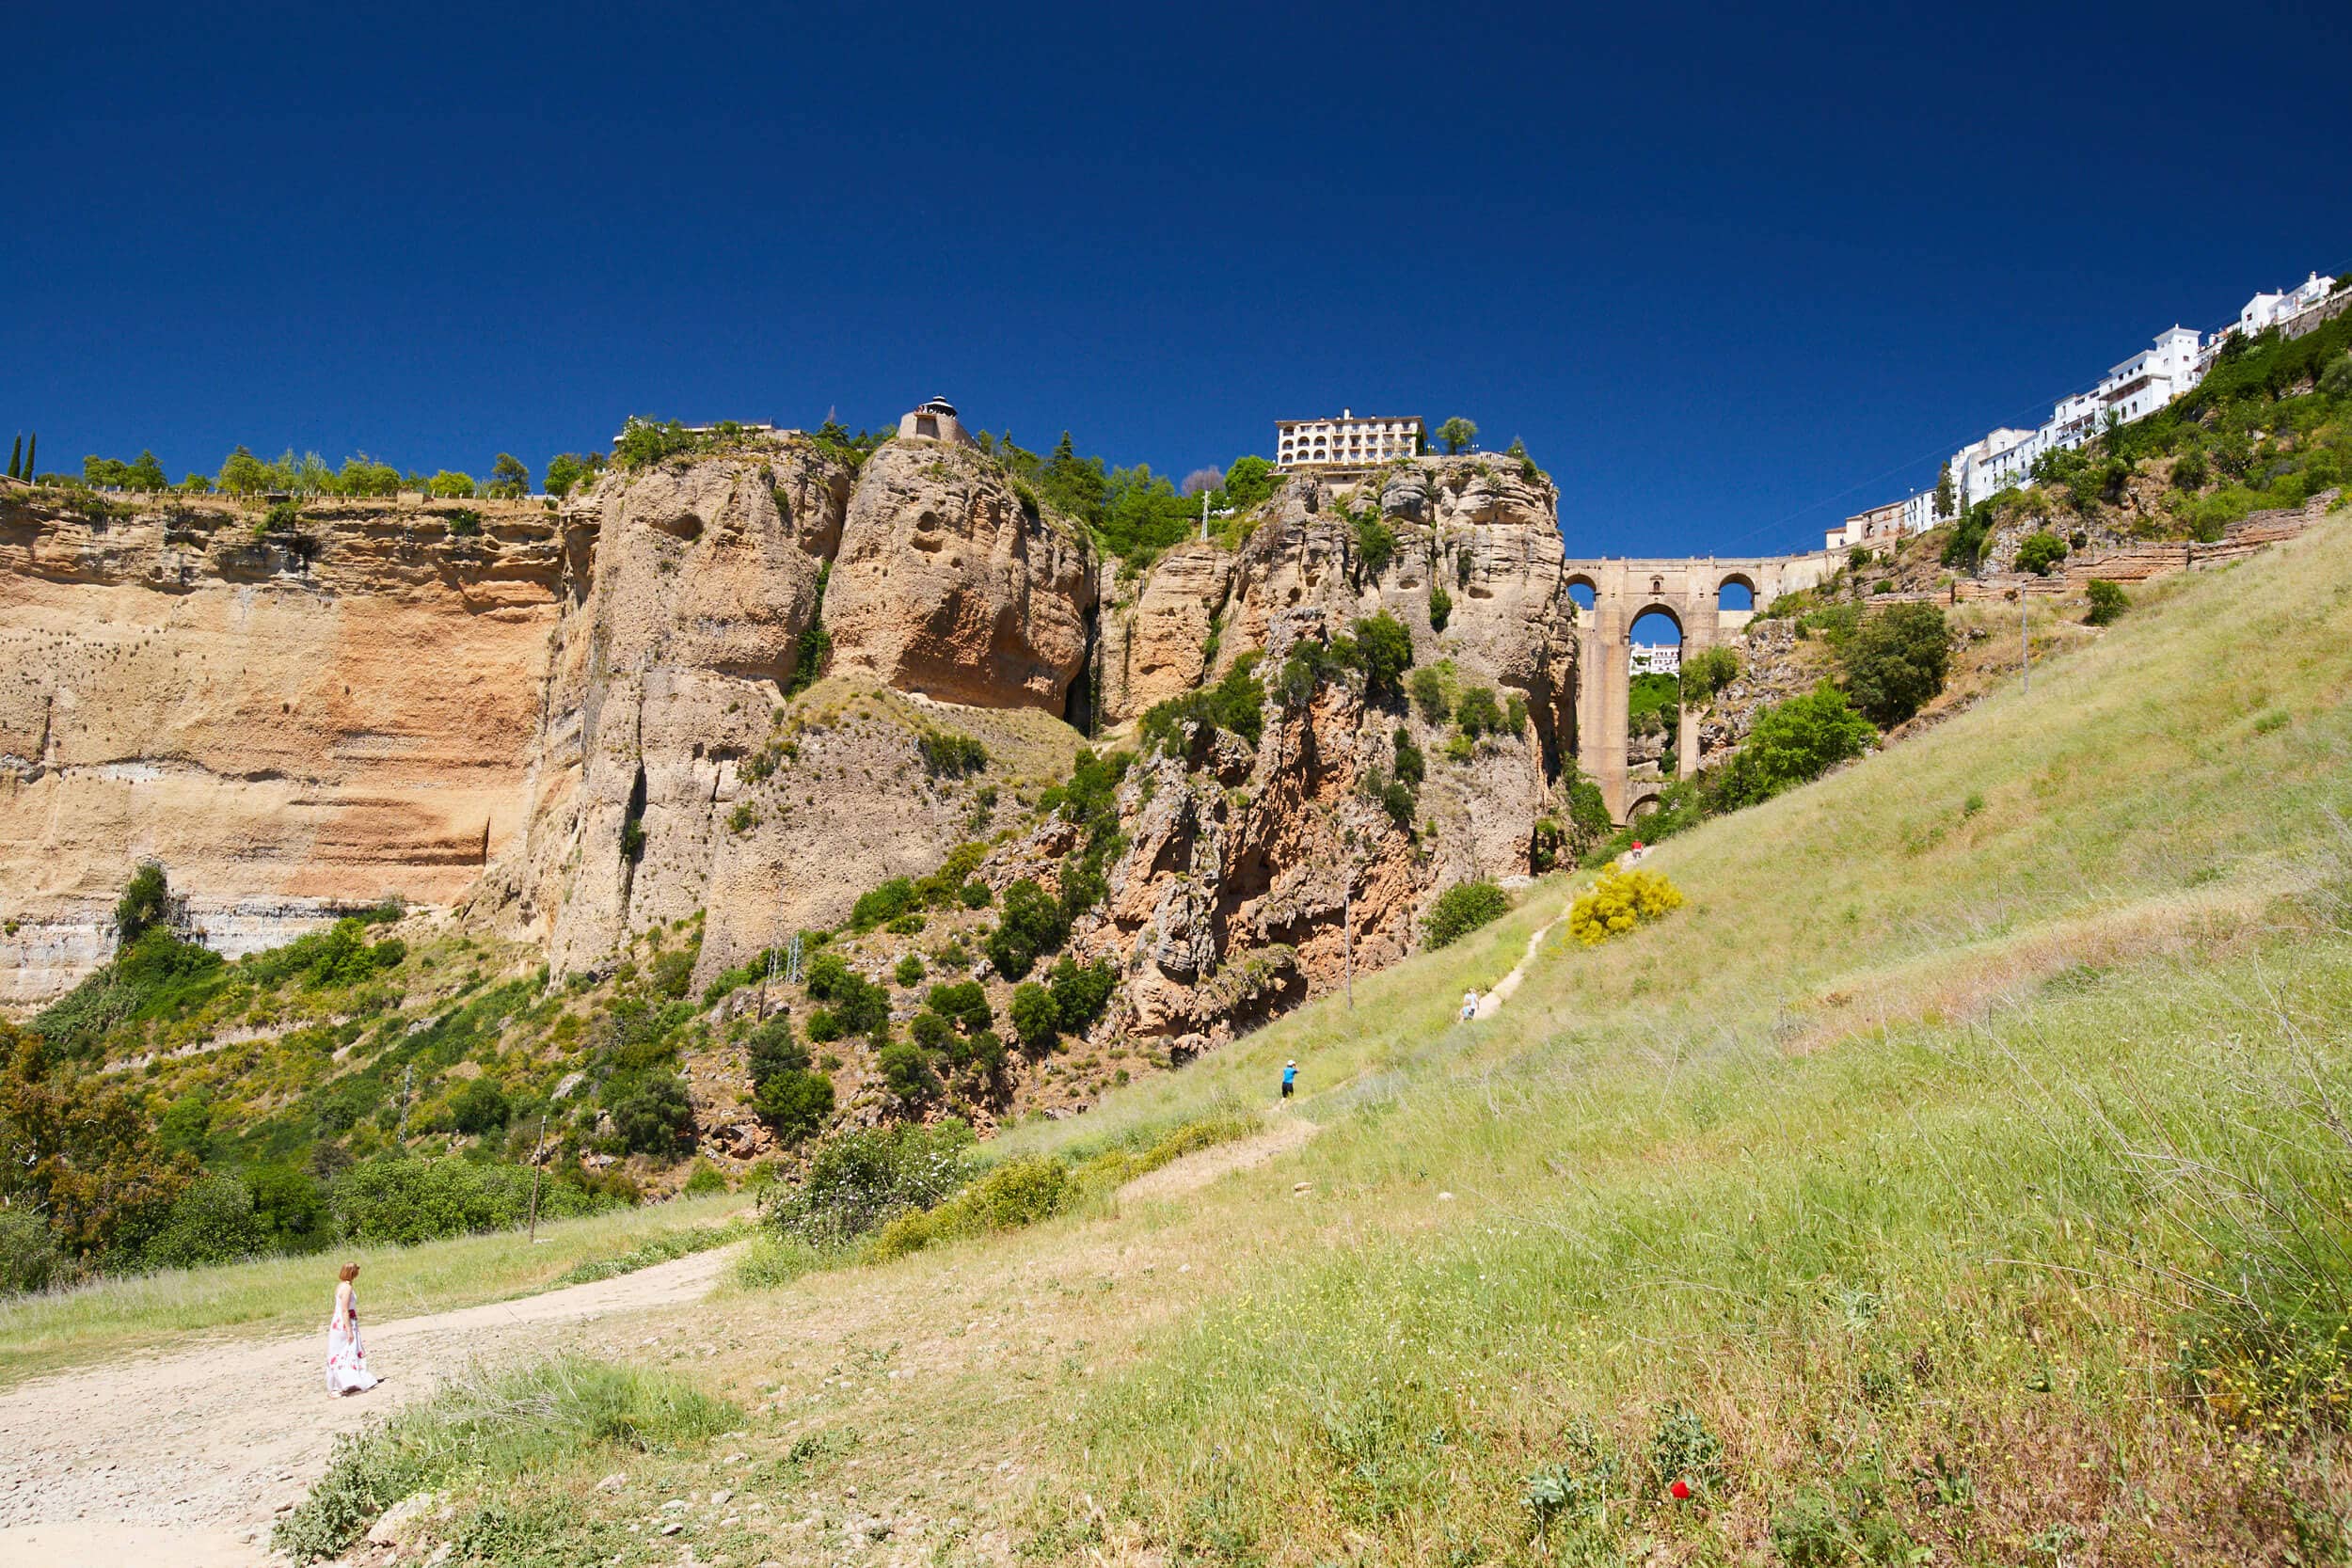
(346, 1357)
(1470, 1004)
(1290, 1076)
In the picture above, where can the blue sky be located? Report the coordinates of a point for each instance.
(1730, 276)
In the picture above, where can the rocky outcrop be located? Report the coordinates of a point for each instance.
(295, 722)
(950, 583)
(673, 776)
(1156, 627)
(1254, 877)
(1477, 526)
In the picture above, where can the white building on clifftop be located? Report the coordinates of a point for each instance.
(1347, 442)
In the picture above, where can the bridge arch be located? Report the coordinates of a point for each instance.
(1699, 597)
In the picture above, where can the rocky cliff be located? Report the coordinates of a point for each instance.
(587, 722)
(672, 773)
(293, 721)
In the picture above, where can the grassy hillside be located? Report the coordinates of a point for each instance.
(1957, 1177)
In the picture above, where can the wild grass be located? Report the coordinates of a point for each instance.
(1958, 1177)
(110, 1317)
(494, 1430)
(666, 1247)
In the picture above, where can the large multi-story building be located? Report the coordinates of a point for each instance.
(1347, 442)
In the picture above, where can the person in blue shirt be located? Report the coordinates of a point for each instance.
(1290, 1076)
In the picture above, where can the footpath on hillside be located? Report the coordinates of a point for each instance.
(182, 1460)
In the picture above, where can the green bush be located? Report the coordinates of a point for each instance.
(1478, 714)
(1236, 703)
(1461, 909)
(2037, 552)
(858, 1181)
(1896, 661)
(213, 1222)
(1440, 607)
(951, 756)
(1081, 992)
(480, 1107)
(657, 1119)
(884, 904)
(906, 1072)
(2108, 602)
(1430, 699)
(1376, 544)
(1790, 743)
(1383, 651)
(1029, 926)
(1018, 1193)
(146, 901)
(1036, 1020)
(29, 1257)
(405, 1200)
(1709, 671)
(704, 1177)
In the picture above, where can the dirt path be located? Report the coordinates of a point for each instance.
(181, 1461)
(1492, 1003)
(1193, 1172)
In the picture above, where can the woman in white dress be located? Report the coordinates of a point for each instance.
(346, 1357)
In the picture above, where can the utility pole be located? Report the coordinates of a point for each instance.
(1348, 932)
(408, 1082)
(536, 1150)
(2024, 645)
(1204, 516)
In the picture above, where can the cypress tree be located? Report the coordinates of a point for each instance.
(32, 444)
(16, 453)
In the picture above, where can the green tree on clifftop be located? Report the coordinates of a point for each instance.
(1456, 435)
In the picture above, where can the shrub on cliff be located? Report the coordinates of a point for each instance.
(1431, 699)
(2039, 551)
(657, 1119)
(1236, 703)
(644, 442)
(1461, 909)
(1383, 651)
(1029, 926)
(1790, 743)
(1896, 661)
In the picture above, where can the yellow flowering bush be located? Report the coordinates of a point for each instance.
(1620, 901)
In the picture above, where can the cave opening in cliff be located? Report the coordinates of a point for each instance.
(1077, 709)
(634, 822)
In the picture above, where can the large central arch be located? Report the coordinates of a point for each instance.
(1691, 592)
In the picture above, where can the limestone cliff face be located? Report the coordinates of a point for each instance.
(673, 776)
(946, 584)
(294, 723)
(1249, 873)
(1474, 526)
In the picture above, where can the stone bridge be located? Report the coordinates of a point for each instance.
(1690, 593)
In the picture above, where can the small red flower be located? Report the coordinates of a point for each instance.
(1681, 1491)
